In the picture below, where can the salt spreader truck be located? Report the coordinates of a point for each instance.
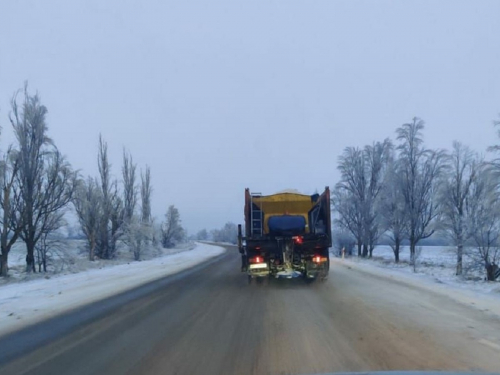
(286, 235)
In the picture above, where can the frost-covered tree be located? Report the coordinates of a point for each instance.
(377, 157)
(106, 193)
(350, 193)
(45, 178)
(88, 207)
(343, 240)
(202, 235)
(496, 148)
(348, 214)
(135, 236)
(392, 208)
(112, 211)
(483, 210)
(171, 229)
(362, 172)
(134, 231)
(228, 233)
(10, 203)
(48, 241)
(146, 191)
(146, 218)
(116, 218)
(137, 227)
(463, 169)
(129, 187)
(420, 169)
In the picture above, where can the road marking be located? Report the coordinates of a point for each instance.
(489, 343)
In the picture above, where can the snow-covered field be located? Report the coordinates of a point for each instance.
(436, 264)
(23, 303)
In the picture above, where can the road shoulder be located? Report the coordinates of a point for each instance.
(487, 303)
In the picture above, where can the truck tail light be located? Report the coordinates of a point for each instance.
(256, 259)
(319, 259)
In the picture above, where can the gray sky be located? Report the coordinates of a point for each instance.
(221, 95)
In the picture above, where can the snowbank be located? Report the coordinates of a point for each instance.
(70, 256)
(437, 263)
(26, 303)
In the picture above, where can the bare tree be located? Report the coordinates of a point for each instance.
(88, 206)
(455, 191)
(172, 231)
(10, 201)
(420, 169)
(46, 181)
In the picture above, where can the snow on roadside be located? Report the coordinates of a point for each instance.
(71, 256)
(436, 263)
(26, 303)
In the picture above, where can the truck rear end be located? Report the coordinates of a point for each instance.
(286, 235)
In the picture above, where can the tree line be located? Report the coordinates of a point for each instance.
(228, 234)
(407, 192)
(38, 185)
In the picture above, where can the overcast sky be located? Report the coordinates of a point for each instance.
(220, 95)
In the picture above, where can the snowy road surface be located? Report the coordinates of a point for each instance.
(210, 321)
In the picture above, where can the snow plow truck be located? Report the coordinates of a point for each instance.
(287, 235)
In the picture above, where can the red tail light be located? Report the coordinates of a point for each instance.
(257, 259)
(319, 259)
(299, 240)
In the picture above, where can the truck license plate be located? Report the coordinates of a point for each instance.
(259, 265)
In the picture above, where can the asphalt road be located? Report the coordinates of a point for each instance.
(211, 321)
